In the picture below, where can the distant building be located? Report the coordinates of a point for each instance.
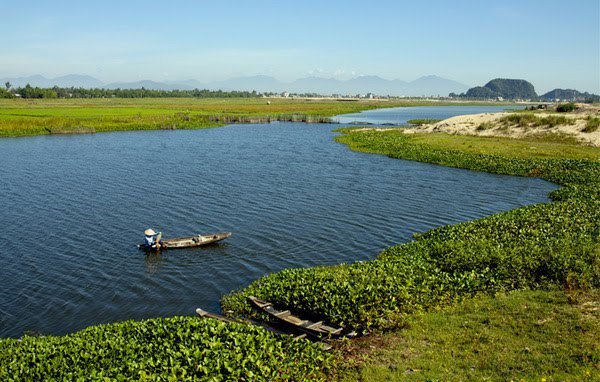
(370, 96)
(285, 94)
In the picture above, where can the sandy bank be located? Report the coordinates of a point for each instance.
(495, 124)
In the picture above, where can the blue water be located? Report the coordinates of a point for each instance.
(74, 207)
(401, 115)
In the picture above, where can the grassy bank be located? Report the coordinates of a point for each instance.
(519, 336)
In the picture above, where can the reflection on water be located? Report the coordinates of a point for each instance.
(291, 196)
(153, 261)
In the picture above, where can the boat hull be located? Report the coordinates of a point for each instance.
(189, 242)
(314, 329)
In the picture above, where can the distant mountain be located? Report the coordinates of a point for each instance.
(258, 83)
(503, 87)
(424, 86)
(569, 95)
(315, 85)
(434, 86)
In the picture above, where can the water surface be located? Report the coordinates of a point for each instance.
(74, 207)
(401, 115)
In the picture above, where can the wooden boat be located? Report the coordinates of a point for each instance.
(191, 241)
(315, 329)
(204, 314)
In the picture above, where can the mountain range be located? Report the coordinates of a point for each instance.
(423, 86)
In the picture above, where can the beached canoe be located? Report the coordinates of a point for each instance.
(285, 317)
(204, 314)
(192, 241)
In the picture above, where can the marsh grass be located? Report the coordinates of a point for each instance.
(35, 117)
(419, 122)
(20, 117)
(529, 119)
(592, 124)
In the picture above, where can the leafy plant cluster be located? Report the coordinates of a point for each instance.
(165, 349)
(535, 246)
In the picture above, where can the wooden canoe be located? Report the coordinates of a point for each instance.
(285, 317)
(191, 241)
(204, 314)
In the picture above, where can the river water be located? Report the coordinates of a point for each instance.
(72, 209)
(401, 115)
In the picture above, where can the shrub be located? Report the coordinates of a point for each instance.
(565, 107)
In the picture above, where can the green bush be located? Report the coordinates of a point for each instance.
(565, 107)
(170, 349)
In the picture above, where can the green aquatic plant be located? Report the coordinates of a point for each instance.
(164, 349)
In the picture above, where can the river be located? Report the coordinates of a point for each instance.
(74, 207)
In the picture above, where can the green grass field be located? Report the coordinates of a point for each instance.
(24, 117)
(523, 335)
(35, 117)
(528, 148)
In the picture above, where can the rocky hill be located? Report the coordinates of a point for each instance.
(569, 95)
(502, 87)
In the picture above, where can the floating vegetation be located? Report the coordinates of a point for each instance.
(164, 349)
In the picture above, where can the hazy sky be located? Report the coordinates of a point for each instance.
(550, 43)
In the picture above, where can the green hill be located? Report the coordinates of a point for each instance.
(503, 87)
(570, 95)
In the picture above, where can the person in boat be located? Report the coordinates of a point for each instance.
(152, 239)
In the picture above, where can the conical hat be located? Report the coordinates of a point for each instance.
(149, 232)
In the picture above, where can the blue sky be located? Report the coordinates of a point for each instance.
(550, 43)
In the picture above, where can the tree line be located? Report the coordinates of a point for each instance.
(29, 91)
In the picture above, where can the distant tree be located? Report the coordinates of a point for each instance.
(7, 84)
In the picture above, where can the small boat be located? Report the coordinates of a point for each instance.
(205, 314)
(187, 242)
(315, 329)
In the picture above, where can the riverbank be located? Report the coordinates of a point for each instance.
(27, 117)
